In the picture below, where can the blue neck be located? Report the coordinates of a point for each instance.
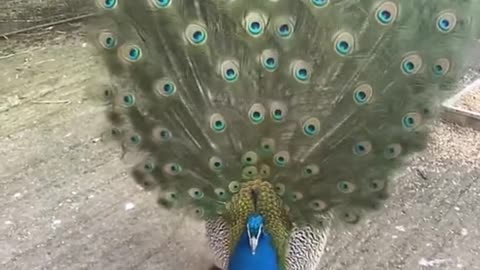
(265, 257)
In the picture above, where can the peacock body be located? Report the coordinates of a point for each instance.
(273, 120)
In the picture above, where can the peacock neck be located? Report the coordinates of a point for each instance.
(264, 256)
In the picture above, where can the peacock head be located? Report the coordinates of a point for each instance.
(255, 225)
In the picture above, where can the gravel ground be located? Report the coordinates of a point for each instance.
(67, 202)
(470, 101)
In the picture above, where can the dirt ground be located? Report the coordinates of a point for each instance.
(68, 203)
(470, 101)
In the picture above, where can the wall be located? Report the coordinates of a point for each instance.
(20, 14)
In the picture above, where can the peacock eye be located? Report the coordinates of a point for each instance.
(320, 3)
(363, 94)
(411, 64)
(279, 188)
(386, 13)
(196, 34)
(311, 127)
(345, 187)
(411, 120)
(196, 193)
(254, 24)
(108, 4)
(230, 70)
(249, 158)
(441, 67)
(249, 172)
(128, 100)
(172, 169)
(217, 123)
(446, 22)
(301, 71)
(281, 158)
(344, 44)
(161, 3)
(234, 187)
(392, 151)
(256, 114)
(362, 148)
(215, 164)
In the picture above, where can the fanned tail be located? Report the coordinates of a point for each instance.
(322, 99)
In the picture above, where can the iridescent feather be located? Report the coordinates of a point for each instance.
(297, 110)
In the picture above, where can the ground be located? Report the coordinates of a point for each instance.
(68, 203)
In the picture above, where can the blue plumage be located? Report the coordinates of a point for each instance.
(265, 256)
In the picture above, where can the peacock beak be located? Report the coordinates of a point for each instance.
(254, 238)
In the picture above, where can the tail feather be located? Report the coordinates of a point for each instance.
(325, 99)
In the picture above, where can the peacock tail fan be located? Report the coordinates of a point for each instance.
(290, 108)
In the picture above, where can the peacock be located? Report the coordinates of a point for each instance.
(274, 121)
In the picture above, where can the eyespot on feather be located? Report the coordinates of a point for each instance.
(411, 64)
(284, 27)
(296, 196)
(215, 164)
(161, 3)
(221, 193)
(363, 94)
(254, 24)
(446, 22)
(269, 60)
(133, 139)
(311, 127)
(441, 67)
(217, 123)
(411, 120)
(310, 170)
(281, 158)
(279, 189)
(161, 134)
(234, 186)
(376, 185)
(198, 212)
(362, 148)
(230, 71)
(392, 151)
(350, 216)
(301, 71)
(127, 100)
(344, 44)
(320, 3)
(317, 205)
(196, 34)
(171, 196)
(267, 145)
(249, 172)
(130, 53)
(108, 40)
(165, 87)
(107, 4)
(196, 193)
(345, 187)
(386, 13)
(249, 158)
(278, 111)
(172, 168)
(256, 114)
(265, 171)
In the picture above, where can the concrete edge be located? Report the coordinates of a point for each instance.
(457, 115)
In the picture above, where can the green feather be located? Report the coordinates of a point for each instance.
(323, 99)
